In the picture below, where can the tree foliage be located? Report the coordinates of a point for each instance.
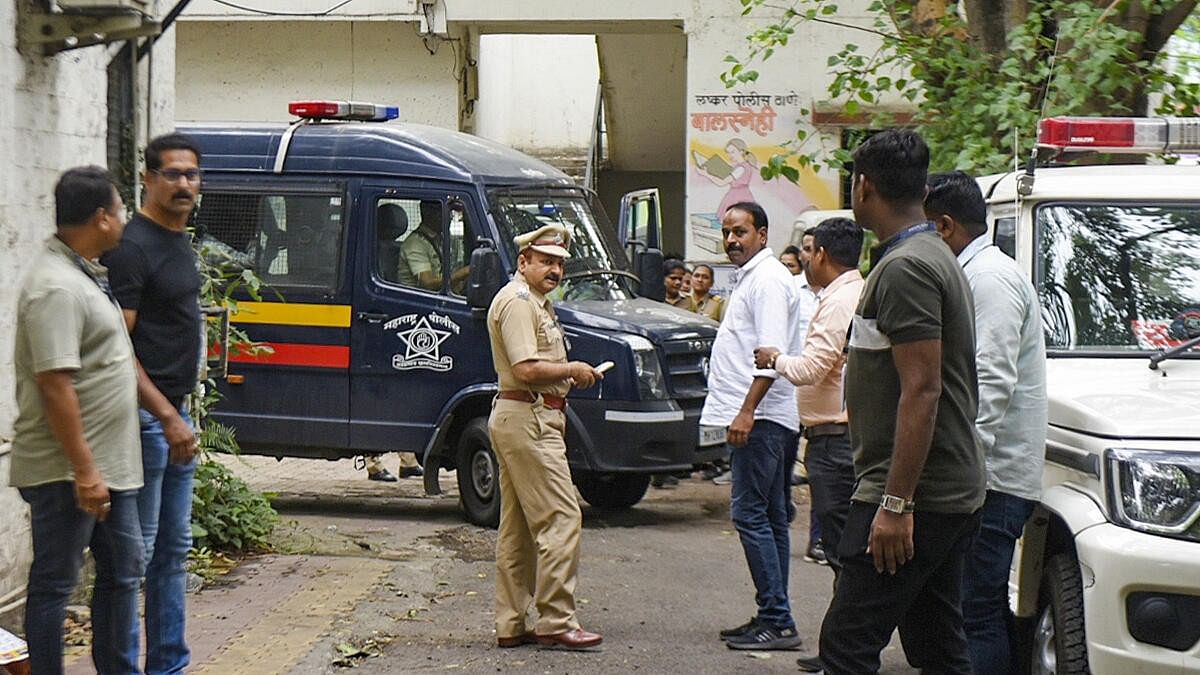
(980, 73)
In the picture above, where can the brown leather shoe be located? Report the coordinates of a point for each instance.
(572, 639)
(518, 641)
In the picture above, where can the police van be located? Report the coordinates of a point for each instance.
(380, 245)
(1107, 575)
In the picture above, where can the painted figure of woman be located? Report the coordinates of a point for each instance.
(737, 174)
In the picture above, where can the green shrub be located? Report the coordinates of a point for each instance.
(227, 515)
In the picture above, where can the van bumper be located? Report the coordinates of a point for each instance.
(636, 436)
(1123, 570)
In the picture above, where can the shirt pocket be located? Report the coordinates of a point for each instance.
(551, 339)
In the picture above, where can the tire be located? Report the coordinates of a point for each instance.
(478, 475)
(1059, 641)
(612, 490)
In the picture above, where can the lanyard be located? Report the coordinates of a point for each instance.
(101, 282)
(881, 250)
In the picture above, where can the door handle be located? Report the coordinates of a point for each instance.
(371, 317)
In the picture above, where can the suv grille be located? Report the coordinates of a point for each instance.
(686, 363)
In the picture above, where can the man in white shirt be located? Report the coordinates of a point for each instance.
(758, 408)
(1011, 423)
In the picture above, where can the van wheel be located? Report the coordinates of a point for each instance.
(612, 490)
(1059, 643)
(478, 475)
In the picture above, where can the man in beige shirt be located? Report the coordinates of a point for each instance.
(817, 374)
(76, 454)
(537, 547)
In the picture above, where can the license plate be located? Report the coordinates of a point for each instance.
(711, 436)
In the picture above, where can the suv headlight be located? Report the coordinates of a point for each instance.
(1155, 491)
(648, 369)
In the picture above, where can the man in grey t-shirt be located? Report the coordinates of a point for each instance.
(76, 457)
(911, 400)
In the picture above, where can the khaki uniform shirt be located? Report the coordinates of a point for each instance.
(683, 302)
(418, 254)
(65, 322)
(712, 306)
(523, 327)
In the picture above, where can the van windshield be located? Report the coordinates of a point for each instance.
(1119, 277)
(590, 271)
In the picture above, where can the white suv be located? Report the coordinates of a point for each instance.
(1107, 575)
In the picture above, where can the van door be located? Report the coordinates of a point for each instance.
(414, 341)
(640, 219)
(294, 395)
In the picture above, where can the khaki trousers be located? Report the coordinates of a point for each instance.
(537, 549)
(374, 463)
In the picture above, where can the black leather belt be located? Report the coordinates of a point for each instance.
(826, 430)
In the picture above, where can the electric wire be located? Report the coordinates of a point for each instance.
(267, 12)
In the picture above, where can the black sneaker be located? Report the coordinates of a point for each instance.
(810, 664)
(664, 481)
(765, 638)
(382, 475)
(816, 554)
(411, 472)
(738, 630)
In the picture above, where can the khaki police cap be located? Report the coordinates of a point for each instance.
(549, 239)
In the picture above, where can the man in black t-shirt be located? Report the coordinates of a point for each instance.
(155, 278)
(911, 395)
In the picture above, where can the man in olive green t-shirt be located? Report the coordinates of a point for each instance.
(76, 456)
(911, 397)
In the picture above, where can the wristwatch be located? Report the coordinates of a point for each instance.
(898, 505)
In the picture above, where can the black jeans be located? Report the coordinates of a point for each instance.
(922, 599)
(830, 464)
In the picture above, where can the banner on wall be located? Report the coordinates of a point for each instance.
(731, 135)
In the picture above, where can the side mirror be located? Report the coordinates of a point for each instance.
(486, 277)
(649, 266)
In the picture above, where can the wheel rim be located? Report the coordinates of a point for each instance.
(483, 476)
(1045, 648)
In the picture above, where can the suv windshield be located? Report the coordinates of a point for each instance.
(1117, 277)
(596, 269)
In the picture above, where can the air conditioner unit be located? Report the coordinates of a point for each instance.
(106, 6)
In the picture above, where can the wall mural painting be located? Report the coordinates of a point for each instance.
(730, 136)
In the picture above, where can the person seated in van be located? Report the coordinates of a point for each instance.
(704, 302)
(391, 224)
(673, 272)
(421, 259)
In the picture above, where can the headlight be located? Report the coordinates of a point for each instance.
(645, 362)
(1155, 491)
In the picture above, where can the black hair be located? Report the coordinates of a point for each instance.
(956, 194)
(79, 192)
(705, 266)
(841, 238)
(757, 214)
(672, 264)
(811, 231)
(791, 250)
(897, 162)
(165, 143)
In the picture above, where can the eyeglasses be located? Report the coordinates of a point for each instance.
(173, 175)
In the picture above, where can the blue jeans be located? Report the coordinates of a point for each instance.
(761, 480)
(60, 533)
(165, 506)
(986, 615)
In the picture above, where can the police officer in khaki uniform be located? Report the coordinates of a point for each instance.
(537, 550)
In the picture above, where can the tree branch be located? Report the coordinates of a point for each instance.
(830, 22)
(1164, 25)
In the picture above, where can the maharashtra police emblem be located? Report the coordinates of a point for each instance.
(422, 340)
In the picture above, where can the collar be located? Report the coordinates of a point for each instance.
(757, 260)
(89, 267)
(849, 276)
(885, 247)
(537, 297)
(973, 249)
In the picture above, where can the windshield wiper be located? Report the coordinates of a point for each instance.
(596, 273)
(1164, 354)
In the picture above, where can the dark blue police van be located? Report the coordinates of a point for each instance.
(380, 246)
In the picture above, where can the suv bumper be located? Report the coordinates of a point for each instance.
(635, 436)
(1122, 561)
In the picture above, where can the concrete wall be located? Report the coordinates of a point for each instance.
(52, 117)
(249, 70)
(547, 107)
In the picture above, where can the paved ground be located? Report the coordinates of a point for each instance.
(380, 578)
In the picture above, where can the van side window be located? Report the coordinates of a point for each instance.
(1004, 235)
(409, 244)
(287, 239)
